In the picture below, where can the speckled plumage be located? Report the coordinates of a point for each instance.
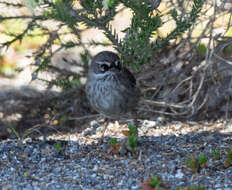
(110, 88)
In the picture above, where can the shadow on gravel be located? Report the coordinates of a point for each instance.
(47, 111)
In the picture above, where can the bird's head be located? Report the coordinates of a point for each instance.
(105, 62)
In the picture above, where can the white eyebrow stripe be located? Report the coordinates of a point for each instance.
(116, 63)
(104, 62)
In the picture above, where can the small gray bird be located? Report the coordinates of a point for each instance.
(110, 88)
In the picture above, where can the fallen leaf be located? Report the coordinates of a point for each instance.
(126, 133)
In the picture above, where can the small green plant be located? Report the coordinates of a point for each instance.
(114, 145)
(202, 187)
(58, 146)
(192, 187)
(196, 163)
(18, 136)
(229, 154)
(154, 183)
(113, 141)
(27, 133)
(132, 130)
(133, 142)
(216, 154)
(12, 129)
(132, 137)
(192, 163)
(202, 160)
(228, 162)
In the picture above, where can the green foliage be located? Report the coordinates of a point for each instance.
(135, 48)
(17, 134)
(63, 119)
(216, 154)
(182, 23)
(229, 32)
(133, 138)
(228, 49)
(30, 4)
(155, 181)
(228, 161)
(85, 58)
(192, 163)
(202, 159)
(113, 141)
(192, 187)
(6, 68)
(132, 130)
(66, 83)
(196, 163)
(59, 11)
(201, 187)
(12, 129)
(229, 154)
(58, 146)
(201, 49)
(133, 142)
(139, 33)
(108, 4)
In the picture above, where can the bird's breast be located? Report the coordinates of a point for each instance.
(108, 96)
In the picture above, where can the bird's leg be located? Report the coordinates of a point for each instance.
(136, 121)
(104, 130)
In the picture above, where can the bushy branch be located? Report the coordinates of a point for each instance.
(135, 48)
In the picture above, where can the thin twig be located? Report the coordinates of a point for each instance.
(84, 117)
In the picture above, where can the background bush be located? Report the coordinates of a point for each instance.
(185, 82)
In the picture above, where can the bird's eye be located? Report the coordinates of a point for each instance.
(103, 67)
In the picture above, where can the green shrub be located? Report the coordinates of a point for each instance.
(135, 48)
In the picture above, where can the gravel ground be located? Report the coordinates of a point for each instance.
(79, 163)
